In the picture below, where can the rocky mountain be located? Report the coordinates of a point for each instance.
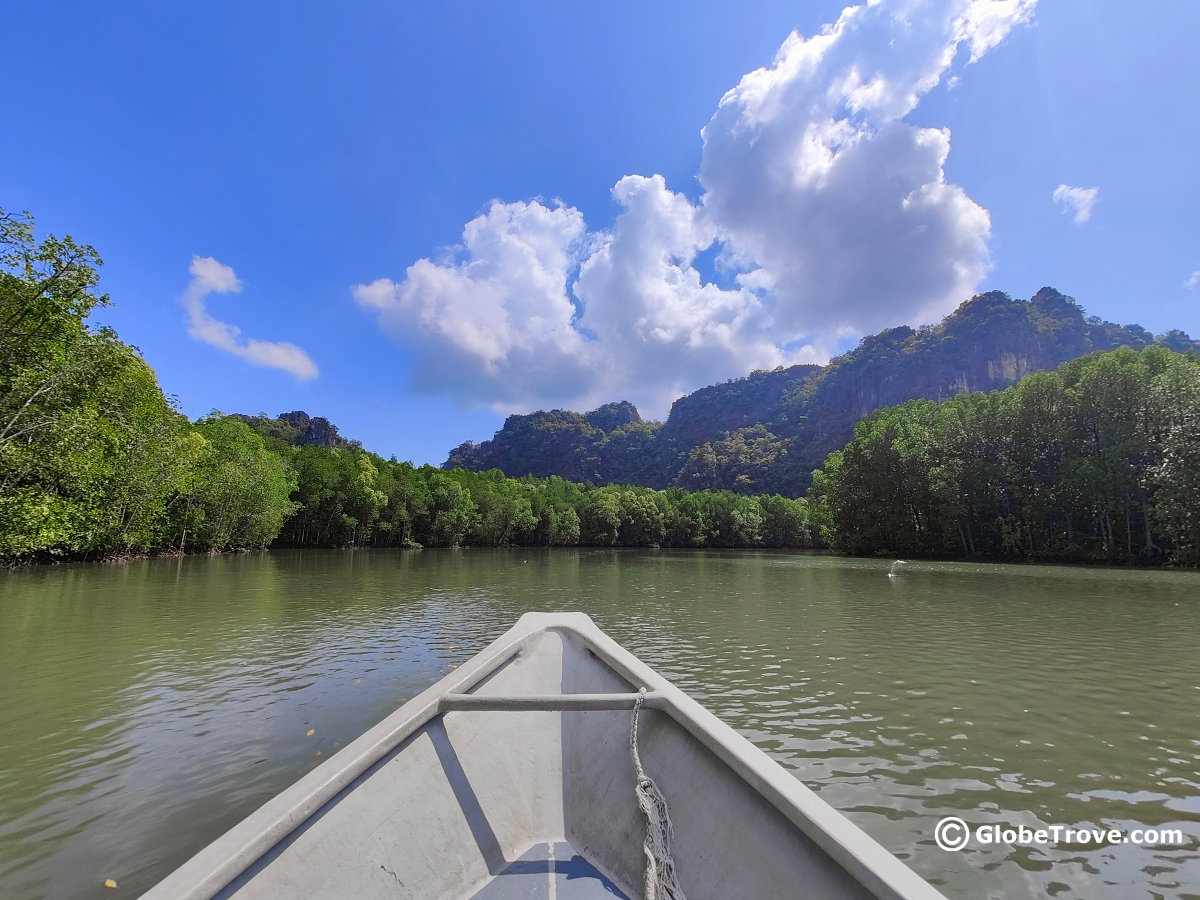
(611, 443)
(768, 431)
(299, 428)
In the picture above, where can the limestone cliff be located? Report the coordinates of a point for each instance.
(769, 430)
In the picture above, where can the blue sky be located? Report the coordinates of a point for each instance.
(321, 181)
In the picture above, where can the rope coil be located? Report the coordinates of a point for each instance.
(661, 882)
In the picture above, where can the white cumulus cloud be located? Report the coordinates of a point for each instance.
(1193, 279)
(495, 323)
(658, 327)
(812, 174)
(212, 277)
(1076, 202)
(824, 213)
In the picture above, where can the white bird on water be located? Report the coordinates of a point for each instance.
(896, 567)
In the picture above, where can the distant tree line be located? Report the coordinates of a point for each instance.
(766, 433)
(353, 497)
(1098, 461)
(95, 461)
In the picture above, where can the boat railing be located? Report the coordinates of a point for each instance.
(456, 702)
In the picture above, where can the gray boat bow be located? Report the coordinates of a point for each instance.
(512, 777)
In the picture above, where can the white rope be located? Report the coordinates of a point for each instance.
(661, 883)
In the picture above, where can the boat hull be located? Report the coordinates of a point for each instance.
(514, 774)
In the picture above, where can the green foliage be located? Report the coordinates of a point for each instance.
(452, 514)
(239, 491)
(94, 459)
(768, 431)
(600, 518)
(46, 292)
(88, 442)
(1093, 462)
(743, 460)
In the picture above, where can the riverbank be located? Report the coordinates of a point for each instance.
(1096, 562)
(1080, 563)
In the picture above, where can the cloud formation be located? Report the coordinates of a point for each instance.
(824, 213)
(813, 177)
(1193, 279)
(661, 330)
(212, 277)
(495, 324)
(1076, 202)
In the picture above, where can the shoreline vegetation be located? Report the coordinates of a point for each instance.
(1096, 462)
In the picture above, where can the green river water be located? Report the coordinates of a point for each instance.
(149, 706)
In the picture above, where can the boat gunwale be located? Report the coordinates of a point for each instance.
(220, 863)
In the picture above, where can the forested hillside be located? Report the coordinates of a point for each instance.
(94, 459)
(768, 431)
(1097, 461)
(348, 496)
(96, 462)
(298, 428)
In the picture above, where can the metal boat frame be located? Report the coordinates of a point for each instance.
(537, 718)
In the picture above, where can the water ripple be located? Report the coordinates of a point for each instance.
(152, 705)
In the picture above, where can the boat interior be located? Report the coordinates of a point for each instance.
(516, 779)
